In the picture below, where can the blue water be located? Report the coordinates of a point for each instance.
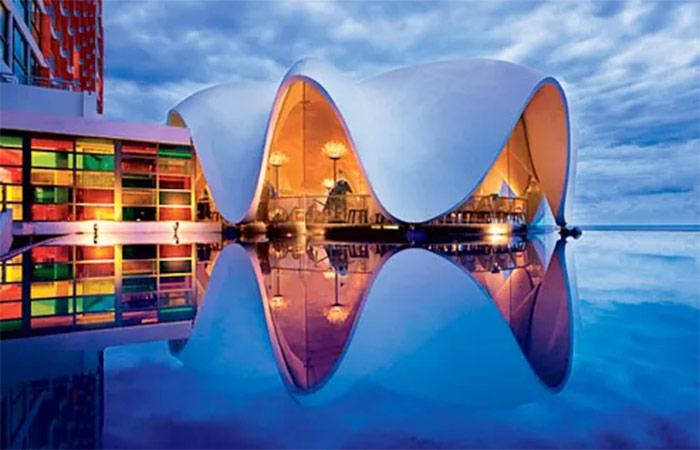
(430, 361)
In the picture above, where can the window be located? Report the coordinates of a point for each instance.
(3, 32)
(36, 23)
(23, 9)
(19, 66)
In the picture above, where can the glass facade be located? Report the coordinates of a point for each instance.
(64, 178)
(59, 288)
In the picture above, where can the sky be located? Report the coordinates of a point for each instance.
(631, 72)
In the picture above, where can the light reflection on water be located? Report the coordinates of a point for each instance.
(445, 345)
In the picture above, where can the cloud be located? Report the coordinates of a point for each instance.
(631, 70)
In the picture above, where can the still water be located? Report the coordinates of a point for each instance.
(145, 342)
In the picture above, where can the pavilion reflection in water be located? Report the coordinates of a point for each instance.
(314, 295)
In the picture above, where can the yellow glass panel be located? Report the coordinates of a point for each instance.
(95, 179)
(52, 177)
(12, 193)
(16, 211)
(103, 146)
(13, 274)
(94, 287)
(52, 289)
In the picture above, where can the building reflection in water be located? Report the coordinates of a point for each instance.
(422, 321)
(64, 302)
(314, 294)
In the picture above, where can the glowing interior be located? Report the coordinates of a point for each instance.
(313, 296)
(312, 174)
(531, 167)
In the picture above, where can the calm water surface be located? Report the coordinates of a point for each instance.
(584, 343)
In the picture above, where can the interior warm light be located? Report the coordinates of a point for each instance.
(329, 274)
(278, 158)
(336, 314)
(278, 303)
(498, 228)
(334, 149)
(328, 183)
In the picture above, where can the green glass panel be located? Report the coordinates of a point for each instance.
(52, 160)
(52, 272)
(94, 303)
(52, 307)
(172, 314)
(139, 181)
(10, 141)
(48, 194)
(7, 326)
(175, 151)
(133, 213)
(133, 285)
(139, 251)
(175, 266)
(95, 162)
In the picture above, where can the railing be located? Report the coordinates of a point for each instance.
(487, 209)
(55, 83)
(350, 209)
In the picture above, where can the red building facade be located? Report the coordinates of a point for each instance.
(54, 43)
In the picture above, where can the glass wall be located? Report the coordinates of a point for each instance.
(509, 193)
(11, 175)
(312, 174)
(76, 178)
(69, 287)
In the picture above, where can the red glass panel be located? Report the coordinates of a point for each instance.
(51, 212)
(169, 182)
(138, 165)
(175, 214)
(10, 310)
(59, 253)
(65, 145)
(9, 292)
(95, 212)
(94, 196)
(10, 157)
(175, 251)
(54, 321)
(95, 253)
(94, 270)
(11, 175)
(139, 147)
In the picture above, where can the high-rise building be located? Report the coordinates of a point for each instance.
(53, 43)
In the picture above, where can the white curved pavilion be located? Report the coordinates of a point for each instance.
(464, 142)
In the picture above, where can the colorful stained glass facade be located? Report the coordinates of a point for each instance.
(60, 288)
(68, 178)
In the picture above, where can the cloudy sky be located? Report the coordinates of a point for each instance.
(631, 71)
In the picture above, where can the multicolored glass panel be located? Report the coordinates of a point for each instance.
(74, 287)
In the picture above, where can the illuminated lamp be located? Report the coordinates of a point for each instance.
(336, 313)
(277, 159)
(277, 302)
(334, 150)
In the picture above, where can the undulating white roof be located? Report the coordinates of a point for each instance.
(425, 135)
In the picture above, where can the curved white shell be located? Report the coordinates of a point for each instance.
(425, 135)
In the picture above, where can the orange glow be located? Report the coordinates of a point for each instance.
(86, 319)
(336, 314)
(498, 228)
(278, 303)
